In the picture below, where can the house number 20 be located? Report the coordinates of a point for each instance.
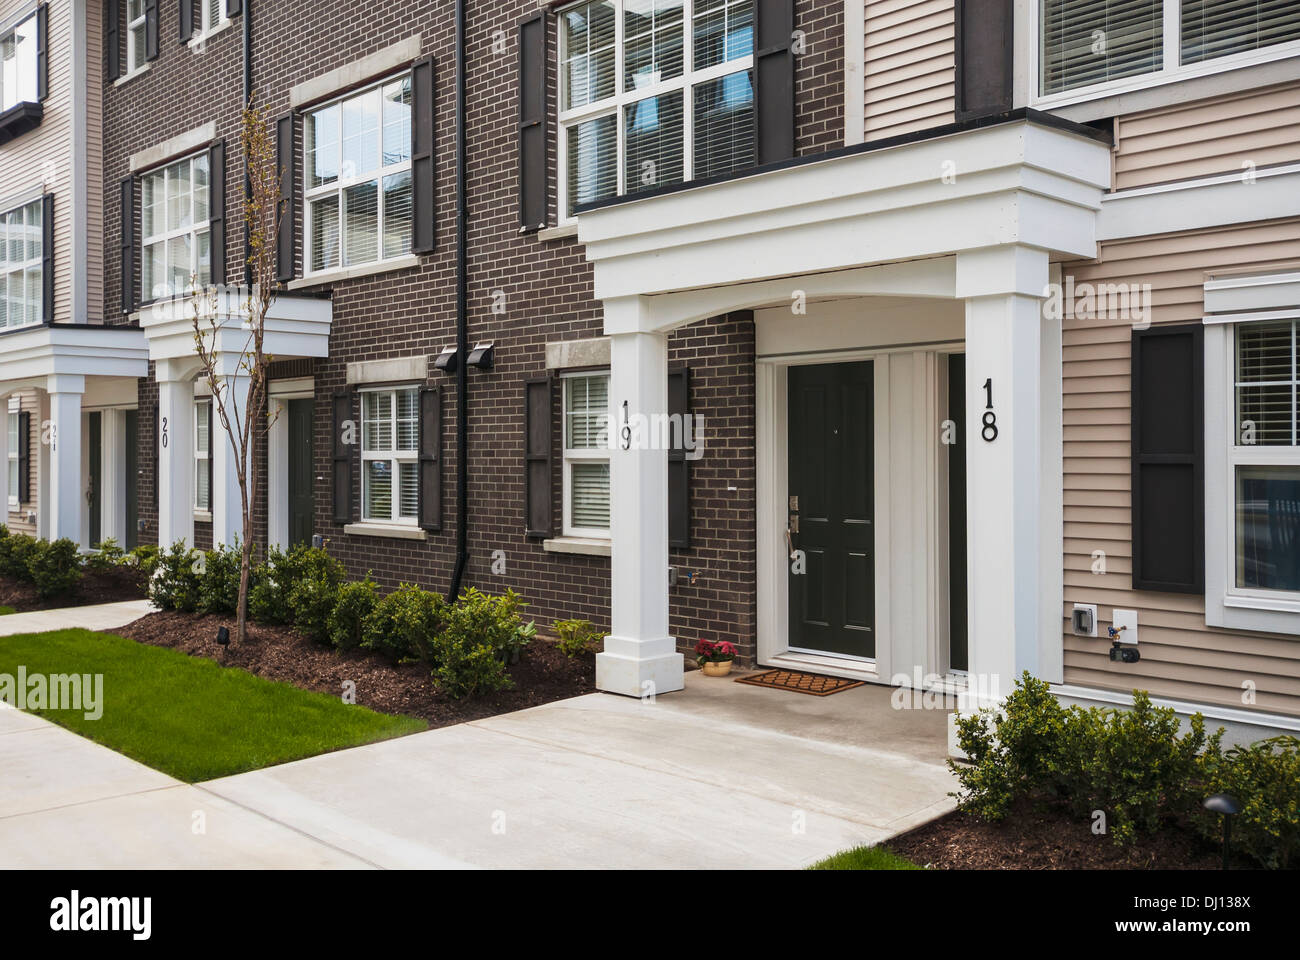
(990, 431)
(164, 433)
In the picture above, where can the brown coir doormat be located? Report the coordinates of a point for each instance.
(811, 683)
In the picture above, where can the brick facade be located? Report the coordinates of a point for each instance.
(546, 287)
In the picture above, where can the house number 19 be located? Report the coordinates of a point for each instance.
(990, 431)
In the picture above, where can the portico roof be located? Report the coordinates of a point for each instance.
(35, 353)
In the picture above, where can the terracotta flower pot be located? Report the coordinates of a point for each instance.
(716, 668)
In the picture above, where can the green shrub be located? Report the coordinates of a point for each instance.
(16, 553)
(218, 580)
(1132, 764)
(466, 668)
(347, 619)
(1012, 751)
(175, 582)
(494, 621)
(1265, 780)
(143, 558)
(54, 567)
(404, 625)
(107, 556)
(576, 637)
(268, 598)
(314, 593)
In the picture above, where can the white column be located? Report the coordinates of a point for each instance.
(1009, 493)
(175, 453)
(277, 474)
(67, 501)
(640, 656)
(227, 509)
(113, 479)
(43, 498)
(4, 465)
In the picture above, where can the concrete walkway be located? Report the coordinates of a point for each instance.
(720, 775)
(99, 616)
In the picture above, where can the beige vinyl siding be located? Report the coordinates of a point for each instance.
(1182, 658)
(1260, 127)
(40, 161)
(909, 70)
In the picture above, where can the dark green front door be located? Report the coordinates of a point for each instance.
(94, 468)
(832, 573)
(300, 467)
(132, 479)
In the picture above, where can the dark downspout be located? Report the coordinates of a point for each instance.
(462, 319)
(248, 94)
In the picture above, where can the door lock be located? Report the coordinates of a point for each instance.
(794, 523)
(794, 504)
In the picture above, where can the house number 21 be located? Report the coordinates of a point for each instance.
(990, 431)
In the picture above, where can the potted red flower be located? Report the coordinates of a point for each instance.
(715, 657)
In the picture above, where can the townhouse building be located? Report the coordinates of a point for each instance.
(983, 313)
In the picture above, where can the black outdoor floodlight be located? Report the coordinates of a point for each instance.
(223, 637)
(482, 356)
(1226, 805)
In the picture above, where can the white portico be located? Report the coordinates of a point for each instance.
(75, 368)
(296, 327)
(969, 219)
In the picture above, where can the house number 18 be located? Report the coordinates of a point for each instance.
(990, 431)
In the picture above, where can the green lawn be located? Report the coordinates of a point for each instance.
(189, 717)
(865, 858)
(5, 611)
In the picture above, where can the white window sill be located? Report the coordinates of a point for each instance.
(350, 273)
(202, 516)
(565, 231)
(588, 546)
(396, 531)
(131, 74)
(199, 39)
(1254, 614)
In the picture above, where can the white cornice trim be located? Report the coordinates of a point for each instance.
(1270, 194)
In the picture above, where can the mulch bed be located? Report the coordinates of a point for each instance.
(107, 586)
(1030, 839)
(542, 675)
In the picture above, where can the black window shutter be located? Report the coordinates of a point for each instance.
(423, 111)
(342, 455)
(774, 80)
(533, 101)
(217, 210)
(151, 29)
(233, 7)
(538, 496)
(286, 235)
(1168, 471)
(679, 468)
(128, 244)
(430, 458)
(187, 20)
(984, 50)
(42, 51)
(112, 37)
(24, 458)
(47, 258)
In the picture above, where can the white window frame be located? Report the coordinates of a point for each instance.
(24, 267)
(14, 425)
(194, 229)
(202, 408)
(1171, 71)
(1226, 604)
(206, 25)
(598, 454)
(33, 82)
(135, 50)
(393, 456)
(339, 186)
(690, 78)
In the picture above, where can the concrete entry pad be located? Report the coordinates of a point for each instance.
(721, 775)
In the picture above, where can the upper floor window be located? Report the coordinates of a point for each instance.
(19, 77)
(358, 178)
(136, 55)
(214, 15)
(175, 239)
(652, 93)
(1087, 43)
(21, 277)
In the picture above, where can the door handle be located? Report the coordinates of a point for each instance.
(789, 542)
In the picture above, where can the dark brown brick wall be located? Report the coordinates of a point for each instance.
(547, 288)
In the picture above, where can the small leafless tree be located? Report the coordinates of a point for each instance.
(244, 419)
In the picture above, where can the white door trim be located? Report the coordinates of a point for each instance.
(277, 457)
